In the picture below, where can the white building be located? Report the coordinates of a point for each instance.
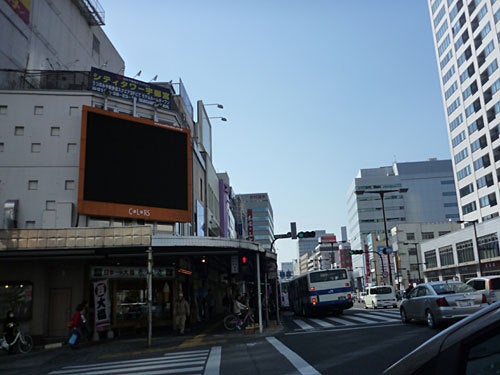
(467, 52)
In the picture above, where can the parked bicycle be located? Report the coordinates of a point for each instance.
(233, 321)
(22, 342)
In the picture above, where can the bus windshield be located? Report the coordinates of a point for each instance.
(328, 275)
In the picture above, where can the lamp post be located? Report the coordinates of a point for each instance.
(476, 243)
(381, 193)
(219, 117)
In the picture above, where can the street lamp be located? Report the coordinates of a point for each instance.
(476, 243)
(217, 104)
(416, 255)
(381, 193)
(221, 118)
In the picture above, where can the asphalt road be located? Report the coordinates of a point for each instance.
(358, 342)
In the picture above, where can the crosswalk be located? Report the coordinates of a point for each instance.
(194, 362)
(346, 320)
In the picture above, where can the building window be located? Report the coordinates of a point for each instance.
(488, 246)
(55, 131)
(2, 146)
(38, 110)
(446, 256)
(71, 148)
(69, 185)
(19, 130)
(50, 205)
(468, 208)
(430, 259)
(96, 46)
(410, 236)
(3, 109)
(442, 233)
(427, 235)
(465, 251)
(33, 185)
(74, 111)
(36, 147)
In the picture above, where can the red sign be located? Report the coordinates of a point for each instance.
(250, 224)
(328, 239)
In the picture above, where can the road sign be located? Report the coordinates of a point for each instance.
(380, 249)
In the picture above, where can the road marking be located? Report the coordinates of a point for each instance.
(192, 362)
(213, 363)
(341, 321)
(322, 323)
(362, 320)
(302, 366)
(302, 324)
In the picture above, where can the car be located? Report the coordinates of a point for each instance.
(489, 285)
(380, 296)
(437, 302)
(470, 346)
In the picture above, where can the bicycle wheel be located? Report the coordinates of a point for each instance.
(25, 343)
(231, 322)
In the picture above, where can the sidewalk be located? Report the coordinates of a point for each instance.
(199, 334)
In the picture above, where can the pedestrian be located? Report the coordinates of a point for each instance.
(181, 313)
(10, 329)
(85, 330)
(238, 306)
(76, 324)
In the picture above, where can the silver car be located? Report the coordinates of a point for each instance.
(441, 301)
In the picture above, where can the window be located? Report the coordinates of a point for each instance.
(33, 185)
(468, 208)
(446, 255)
(19, 130)
(2, 146)
(455, 122)
(427, 235)
(55, 131)
(69, 185)
(74, 111)
(451, 90)
(50, 205)
(410, 236)
(485, 181)
(38, 110)
(466, 190)
(488, 246)
(461, 155)
(458, 139)
(448, 74)
(71, 148)
(96, 46)
(465, 251)
(3, 109)
(444, 45)
(478, 124)
(464, 172)
(446, 59)
(430, 259)
(36, 147)
(453, 106)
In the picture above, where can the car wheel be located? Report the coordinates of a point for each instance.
(374, 306)
(429, 317)
(404, 318)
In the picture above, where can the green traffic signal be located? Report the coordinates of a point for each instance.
(352, 252)
(308, 234)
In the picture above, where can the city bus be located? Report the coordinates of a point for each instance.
(321, 292)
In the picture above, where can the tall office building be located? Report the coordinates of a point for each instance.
(254, 218)
(466, 37)
(430, 198)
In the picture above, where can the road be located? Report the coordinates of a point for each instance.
(358, 342)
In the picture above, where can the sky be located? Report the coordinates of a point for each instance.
(313, 91)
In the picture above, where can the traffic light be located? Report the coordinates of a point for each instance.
(306, 234)
(244, 259)
(353, 252)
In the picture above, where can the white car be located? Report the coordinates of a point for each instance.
(380, 296)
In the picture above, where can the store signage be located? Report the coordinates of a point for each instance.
(116, 272)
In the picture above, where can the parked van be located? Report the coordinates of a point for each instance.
(380, 296)
(490, 285)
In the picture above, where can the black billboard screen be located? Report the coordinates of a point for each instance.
(134, 168)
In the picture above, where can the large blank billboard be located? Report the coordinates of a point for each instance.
(134, 168)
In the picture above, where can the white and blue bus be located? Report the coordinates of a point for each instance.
(321, 292)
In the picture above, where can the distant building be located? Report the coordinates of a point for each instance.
(430, 197)
(255, 218)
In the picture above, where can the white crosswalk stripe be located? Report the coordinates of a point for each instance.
(186, 362)
(348, 320)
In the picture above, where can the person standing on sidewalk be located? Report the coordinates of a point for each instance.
(76, 326)
(181, 313)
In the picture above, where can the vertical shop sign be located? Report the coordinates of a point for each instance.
(250, 224)
(102, 305)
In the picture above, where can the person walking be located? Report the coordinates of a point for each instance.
(76, 324)
(181, 313)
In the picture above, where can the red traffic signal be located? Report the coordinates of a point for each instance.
(244, 259)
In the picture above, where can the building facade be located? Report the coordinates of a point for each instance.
(467, 52)
(430, 197)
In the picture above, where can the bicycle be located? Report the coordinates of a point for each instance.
(22, 342)
(233, 321)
